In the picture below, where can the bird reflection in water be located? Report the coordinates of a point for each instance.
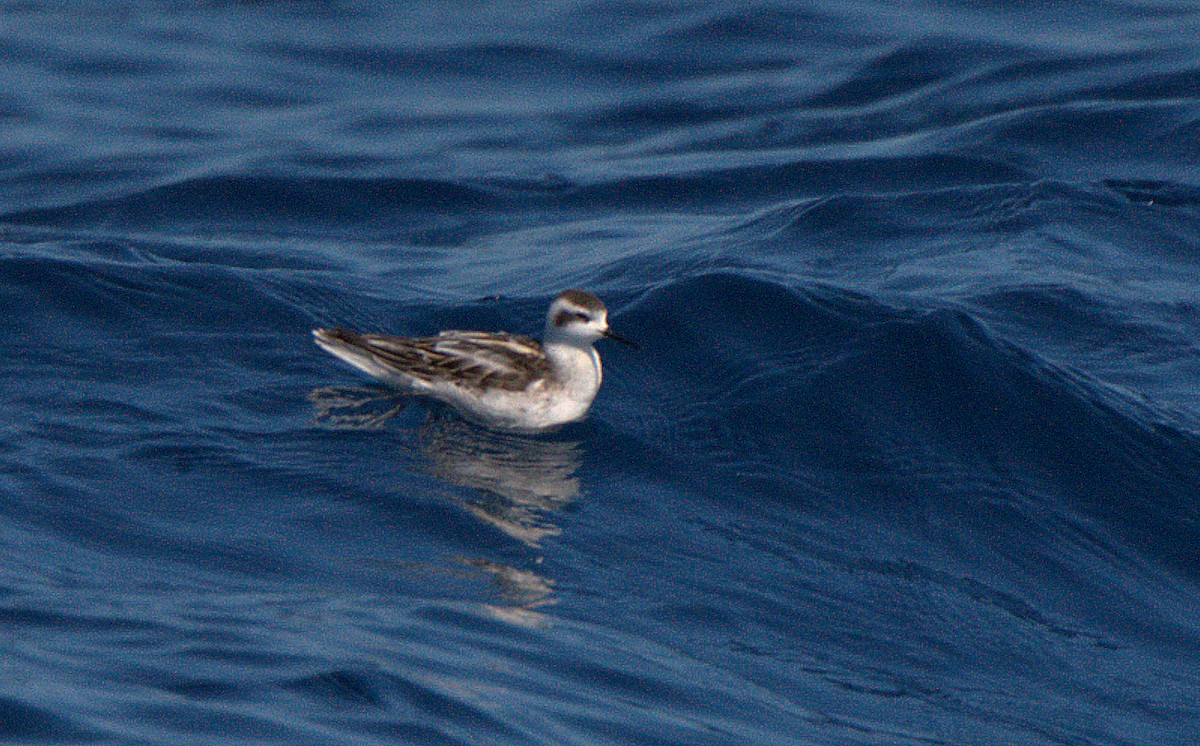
(515, 483)
(520, 481)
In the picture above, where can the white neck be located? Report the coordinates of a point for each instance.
(576, 367)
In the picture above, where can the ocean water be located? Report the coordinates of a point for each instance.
(910, 454)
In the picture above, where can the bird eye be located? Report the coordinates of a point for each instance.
(563, 317)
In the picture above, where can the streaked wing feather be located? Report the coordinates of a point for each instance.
(508, 361)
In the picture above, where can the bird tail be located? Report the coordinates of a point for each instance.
(352, 347)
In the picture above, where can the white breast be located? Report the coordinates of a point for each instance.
(564, 397)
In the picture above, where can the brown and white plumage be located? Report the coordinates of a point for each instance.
(504, 380)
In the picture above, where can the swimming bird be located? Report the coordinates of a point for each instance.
(505, 381)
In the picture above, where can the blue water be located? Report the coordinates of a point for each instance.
(910, 455)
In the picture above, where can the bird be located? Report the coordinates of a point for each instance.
(503, 381)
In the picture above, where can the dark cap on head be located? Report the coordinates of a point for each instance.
(584, 300)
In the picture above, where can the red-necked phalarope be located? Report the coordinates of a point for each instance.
(503, 380)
